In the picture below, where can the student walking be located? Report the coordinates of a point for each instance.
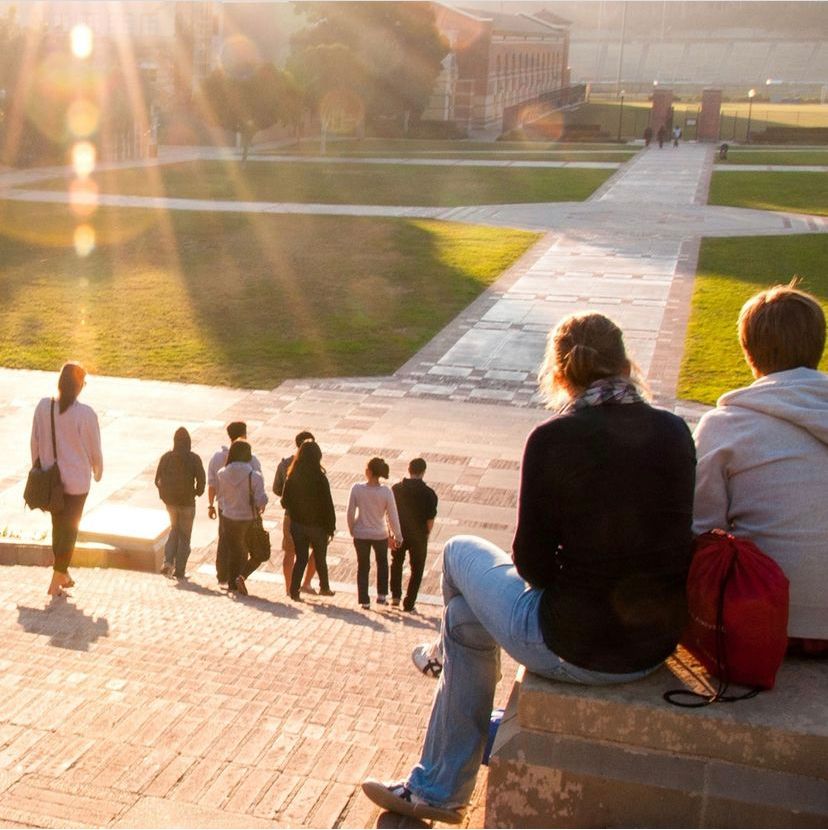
(288, 548)
(307, 498)
(240, 488)
(417, 506)
(372, 520)
(179, 479)
(236, 431)
(676, 136)
(66, 432)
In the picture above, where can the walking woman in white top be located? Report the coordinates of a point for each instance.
(372, 521)
(78, 440)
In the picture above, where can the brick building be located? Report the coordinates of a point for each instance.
(499, 64)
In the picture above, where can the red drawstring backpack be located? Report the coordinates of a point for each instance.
(737, 600)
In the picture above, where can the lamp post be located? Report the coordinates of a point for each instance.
(751, 94)
(621, 114)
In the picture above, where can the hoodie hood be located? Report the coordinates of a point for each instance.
(181, 441)
(799, 396)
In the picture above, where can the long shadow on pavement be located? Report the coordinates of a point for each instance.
(65, 624)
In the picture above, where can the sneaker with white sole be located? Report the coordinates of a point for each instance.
(399, 799)
(428, 659)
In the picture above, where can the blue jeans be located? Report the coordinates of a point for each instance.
(177, 549)
(487, 606)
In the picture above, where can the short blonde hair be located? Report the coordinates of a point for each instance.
(581, 349)
(782, 328)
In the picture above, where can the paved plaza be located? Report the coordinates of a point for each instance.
(142, 702)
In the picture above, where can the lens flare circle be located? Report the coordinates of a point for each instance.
(83, 159)
(84, 240)
(239, 57)
(81, 40)
(341, 110)
(82, 118)
(83, 197)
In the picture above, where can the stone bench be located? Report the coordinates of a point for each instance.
(620, 756)
(110, 536)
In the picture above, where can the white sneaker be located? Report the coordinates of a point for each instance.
(399, 799)
(428, 659)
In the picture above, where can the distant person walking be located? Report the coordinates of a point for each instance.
(648, 136)
(417, 507)
(288, 548)
(676, 136)
(661, 135)
(307, 499)
(179, 479)
(236, 431)
(240, 488)
(372, 520)
(76, 449)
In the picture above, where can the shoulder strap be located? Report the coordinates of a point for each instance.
(54, 441)
(250, 493)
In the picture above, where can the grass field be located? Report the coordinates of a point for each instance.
(353, 183)
(729, 272)
(797, 192)
(734, 117)
(494, 150)
(775, 155)
(240, 300)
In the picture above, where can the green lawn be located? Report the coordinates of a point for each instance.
(729, 272)
(493, 150)
(235, 299)
(386, 184)
(775, 156)
(796, 192)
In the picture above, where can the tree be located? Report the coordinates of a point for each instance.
(397, 45)
(249, 100)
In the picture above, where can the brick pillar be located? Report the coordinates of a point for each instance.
(661, 113)
(710, 115)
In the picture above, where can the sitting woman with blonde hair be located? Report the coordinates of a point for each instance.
(594, 592)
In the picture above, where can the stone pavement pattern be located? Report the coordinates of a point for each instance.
(139, 702)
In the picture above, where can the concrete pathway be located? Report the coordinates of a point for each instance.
(139, 703)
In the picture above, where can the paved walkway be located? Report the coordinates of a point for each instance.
(139, 703)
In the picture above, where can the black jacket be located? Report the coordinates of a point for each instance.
(308, 501)
(180, 474)
(604, 517)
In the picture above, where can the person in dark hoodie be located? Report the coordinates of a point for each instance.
(179, 479)
(763, 454)
(417, 507)
(241, 492)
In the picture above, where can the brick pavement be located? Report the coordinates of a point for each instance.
(142, 702)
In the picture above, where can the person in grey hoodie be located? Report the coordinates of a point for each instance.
(763, 454)
(242, 496)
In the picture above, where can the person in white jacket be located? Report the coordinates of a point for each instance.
(241, 493)
(763, 454)
(372, 521)
(79, 458)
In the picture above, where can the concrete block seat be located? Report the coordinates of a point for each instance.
(620, 756)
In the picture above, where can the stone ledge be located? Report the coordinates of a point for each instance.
(614, 756)
(85, 556)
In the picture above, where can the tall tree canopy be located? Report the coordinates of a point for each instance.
(249, 100)
(396, 49)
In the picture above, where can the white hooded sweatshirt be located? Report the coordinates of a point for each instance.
(762, 474)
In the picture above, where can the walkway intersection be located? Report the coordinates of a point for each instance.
(140, 702)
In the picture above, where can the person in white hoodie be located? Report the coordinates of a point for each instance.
(763, 454)
(241, 493)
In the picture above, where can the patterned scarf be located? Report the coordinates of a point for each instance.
(607, 390)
